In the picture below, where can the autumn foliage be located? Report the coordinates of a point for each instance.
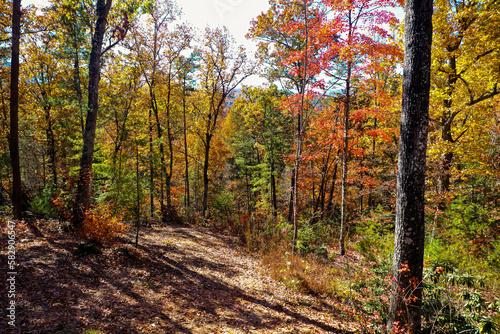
(313, 151)
(101, 224)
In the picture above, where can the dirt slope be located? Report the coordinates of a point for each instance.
(179, 280)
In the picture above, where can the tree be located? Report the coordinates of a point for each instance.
(357, 44)
(464, 77)
(103, 7)
(75, 20)
(406, 297)
(258, 134)
(45, 75)
(14, 112)
(302, 39)
(82, 201)
(186, 67)
(223, 67)
(292, 42)
(157, 47)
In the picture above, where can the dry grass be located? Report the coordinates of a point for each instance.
(313, 274)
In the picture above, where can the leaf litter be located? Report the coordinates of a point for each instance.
(180, 279)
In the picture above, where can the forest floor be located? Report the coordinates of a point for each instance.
(180, 279)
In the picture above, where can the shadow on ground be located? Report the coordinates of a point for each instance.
(132, 290)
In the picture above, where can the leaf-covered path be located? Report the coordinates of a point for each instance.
(179, 280)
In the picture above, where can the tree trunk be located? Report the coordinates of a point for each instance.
(291, 199)
(159, 131)
(187, 200)
(77, 83)
(14, 112)
(447, 160)
(329, 209)
(300, 130)
(249, 193)
(343, 214)
(406, 299)
(51, 144)
(168, 176)
(137, 183)
(274, 199)
(371, 201)
(205, 174)
(82, 202)
(151, 166)
(347, 106)
(320, 200)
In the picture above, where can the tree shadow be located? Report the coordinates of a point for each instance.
(133, 290)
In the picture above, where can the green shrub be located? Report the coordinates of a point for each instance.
(311, 239)
(453, 301)
(375, 235)
(43, 202)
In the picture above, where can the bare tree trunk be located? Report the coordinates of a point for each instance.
(14, 112)
(82, 201)
(291, 198)
(406, 298)
(447, 160)
(159, 131)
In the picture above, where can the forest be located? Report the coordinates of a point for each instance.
(129, 119)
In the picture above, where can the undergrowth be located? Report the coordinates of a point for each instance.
(101, 224)
(457, 298)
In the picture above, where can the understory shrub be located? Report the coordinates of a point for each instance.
(170, 215)
(101, 224)
(311, 239)
(453, 302)
(43, 201)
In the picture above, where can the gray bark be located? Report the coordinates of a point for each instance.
(406, 299)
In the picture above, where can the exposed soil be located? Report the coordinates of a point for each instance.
(179, 280)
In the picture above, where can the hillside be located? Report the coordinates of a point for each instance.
(179, 280)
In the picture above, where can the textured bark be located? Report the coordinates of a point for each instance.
(82, 201)
(406, 298)
(14, 112)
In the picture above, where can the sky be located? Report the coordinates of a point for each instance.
(235, 14)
